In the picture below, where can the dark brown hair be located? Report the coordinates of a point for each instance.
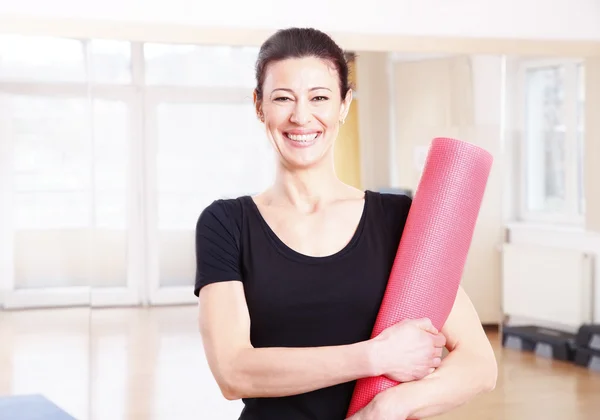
(299, 43)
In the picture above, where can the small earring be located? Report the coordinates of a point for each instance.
(342, 121)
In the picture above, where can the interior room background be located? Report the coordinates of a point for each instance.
(120, 122)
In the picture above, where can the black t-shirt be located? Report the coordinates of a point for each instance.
(297, 300)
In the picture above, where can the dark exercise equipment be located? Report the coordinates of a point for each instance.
(588, 358)
(588, 337)
(545, 342)
(582, 348)
(588, 347)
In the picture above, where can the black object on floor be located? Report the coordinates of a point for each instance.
(30, 407)
(588, 358)
(588, 336)
(545, 342)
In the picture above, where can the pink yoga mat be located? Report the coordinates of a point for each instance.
(431, 256)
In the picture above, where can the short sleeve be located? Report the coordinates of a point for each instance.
(217, 244)
(396, 210)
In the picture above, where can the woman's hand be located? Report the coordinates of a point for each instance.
(384, 406)
(408, 350)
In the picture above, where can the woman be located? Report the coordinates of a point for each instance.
(290, 280)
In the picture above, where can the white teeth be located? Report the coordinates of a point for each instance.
(302, 137)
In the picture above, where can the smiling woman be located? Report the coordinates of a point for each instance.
(306, 115)
(303, 98)
(290, 280)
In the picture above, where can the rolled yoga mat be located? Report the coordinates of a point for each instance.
(432, 252)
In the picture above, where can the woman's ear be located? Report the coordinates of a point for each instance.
(258, 106)
(345, 108)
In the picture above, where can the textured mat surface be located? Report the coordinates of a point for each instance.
(433, 249)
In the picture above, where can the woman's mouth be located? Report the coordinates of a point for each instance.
(302, 140)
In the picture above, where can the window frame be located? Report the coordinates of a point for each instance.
(571, 215)
(153, 97)
(83, 295)
(143, 272)
(128, 294)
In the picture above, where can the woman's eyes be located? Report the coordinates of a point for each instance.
(316, 98)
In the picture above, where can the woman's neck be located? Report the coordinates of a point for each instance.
(306, 189)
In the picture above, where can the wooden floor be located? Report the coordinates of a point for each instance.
(148, 364)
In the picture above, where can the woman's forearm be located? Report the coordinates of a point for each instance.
(461, 377)
(266, 372)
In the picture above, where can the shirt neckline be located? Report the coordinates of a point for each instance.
(291, 253)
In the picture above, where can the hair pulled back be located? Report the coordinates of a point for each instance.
(300, 43)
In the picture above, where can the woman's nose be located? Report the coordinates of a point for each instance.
(301, 113)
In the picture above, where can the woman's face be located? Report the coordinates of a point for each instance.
(302, 109)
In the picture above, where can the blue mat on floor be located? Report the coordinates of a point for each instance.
(30, 407)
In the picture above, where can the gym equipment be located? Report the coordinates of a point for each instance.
(545, 342)
(587, 353)
(432, 252)
(588, 336)
(588, 358)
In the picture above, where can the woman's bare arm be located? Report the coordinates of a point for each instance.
(244, 371)
(469, 369)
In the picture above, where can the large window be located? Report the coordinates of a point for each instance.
(41, 59)
(200, 65)
(68, 150)
(111, 150)
(553, 146)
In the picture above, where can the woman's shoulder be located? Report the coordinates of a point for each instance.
(218, 243)
(223, 214)
(220, 206)
(392, 204)
(390, 210)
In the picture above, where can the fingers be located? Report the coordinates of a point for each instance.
(435, 363)
(425, 324)
(439, 340)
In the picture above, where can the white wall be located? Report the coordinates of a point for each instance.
(567, 19)
(566, 238)
(373, 89)
(483, 270)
